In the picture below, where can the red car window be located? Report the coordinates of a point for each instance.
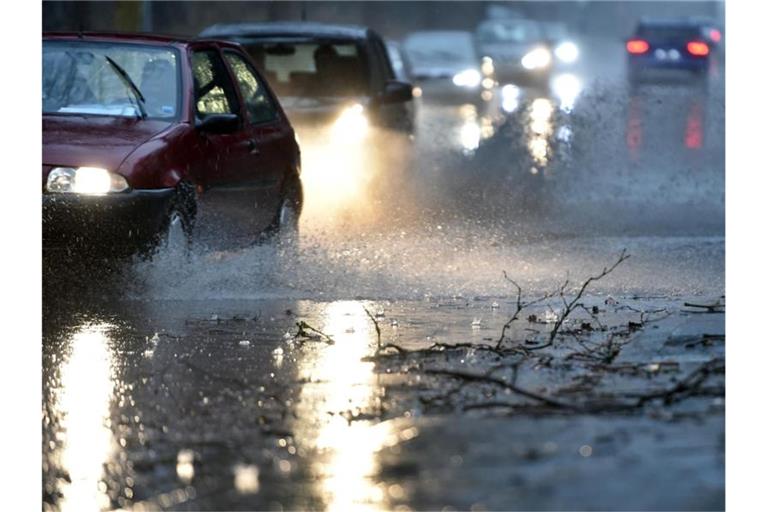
(258, 104)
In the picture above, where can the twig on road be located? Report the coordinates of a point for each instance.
(307, 332)
(519, 307)
(572, 304)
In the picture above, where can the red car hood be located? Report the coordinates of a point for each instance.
(74, 141)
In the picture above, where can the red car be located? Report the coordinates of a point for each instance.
(144, 136)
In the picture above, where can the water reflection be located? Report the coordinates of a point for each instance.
(567, 88)
(634, 129)
(540, 129)
(341, 391)
(651, 130)
(473, 129)
(694, 126)
(82, 405)
(510, 98)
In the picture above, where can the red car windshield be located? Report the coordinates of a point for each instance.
(125, 80)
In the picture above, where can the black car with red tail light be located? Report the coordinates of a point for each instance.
(662, 46)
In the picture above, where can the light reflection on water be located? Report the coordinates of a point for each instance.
(339, 384)
(473, 128)
(540, 129)
(83, 406)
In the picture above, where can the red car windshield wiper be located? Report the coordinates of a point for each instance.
(132, 86)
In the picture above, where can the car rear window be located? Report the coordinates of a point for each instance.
(440, 48)
(312, 69)
(668, 32)
(509, 31)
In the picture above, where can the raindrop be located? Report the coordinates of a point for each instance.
(653, 367)
(495, 305)
(246, 478)
(244, 343)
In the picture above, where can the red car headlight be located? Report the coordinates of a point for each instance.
(84, 180)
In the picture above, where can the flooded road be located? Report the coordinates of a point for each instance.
(255, 379)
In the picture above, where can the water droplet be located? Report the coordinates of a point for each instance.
(246, 478)
(244, 343)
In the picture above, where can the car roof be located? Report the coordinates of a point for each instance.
(669, 22)
(440, 34)
(131, 37)
(285, 29)
(508, 21)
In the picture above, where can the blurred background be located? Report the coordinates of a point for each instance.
(391, 19)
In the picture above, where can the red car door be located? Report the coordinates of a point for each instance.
(228, 197)
(271, 135)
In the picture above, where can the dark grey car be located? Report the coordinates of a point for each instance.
(322, 71)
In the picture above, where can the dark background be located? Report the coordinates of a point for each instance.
(392, 19)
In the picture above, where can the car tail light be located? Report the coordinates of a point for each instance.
(637, 46)
(698, 48)
(715, 35)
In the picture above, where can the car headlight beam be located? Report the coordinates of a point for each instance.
(84, 180)
(567, 52)
(467, 78)
(352, 124)
(537, 58)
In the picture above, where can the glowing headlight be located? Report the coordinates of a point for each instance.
(351, 124)
(567, 52)
(84, 180)
(467, 78)
(536, 59)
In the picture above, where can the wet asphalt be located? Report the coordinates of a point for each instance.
(255, 378)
